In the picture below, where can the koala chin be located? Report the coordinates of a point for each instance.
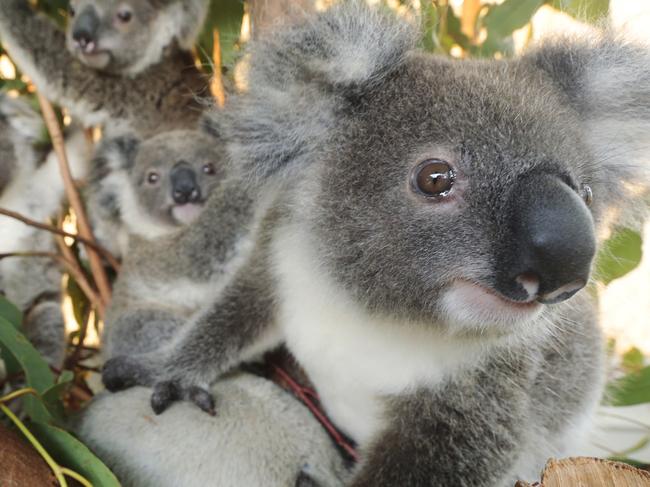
(126, 65)
(419, 232)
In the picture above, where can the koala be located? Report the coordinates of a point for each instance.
(427, 228)
(124, 62)
(262, 435)
(35, 190)
(150, 187)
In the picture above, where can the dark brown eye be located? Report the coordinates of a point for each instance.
(433, 178)
(153, 177)
(208, 169)
(71, 11)
(124, 16)
(587, 194)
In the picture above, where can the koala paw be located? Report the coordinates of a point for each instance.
(165, 393)
(123, 372)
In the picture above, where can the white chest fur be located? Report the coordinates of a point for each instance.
(355, 360)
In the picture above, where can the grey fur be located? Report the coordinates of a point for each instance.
(149, 81)
(348, 261)
(122, 202)
(35, 190)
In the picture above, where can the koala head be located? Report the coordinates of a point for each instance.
(156, 185)
(467, 195)
(127, 36)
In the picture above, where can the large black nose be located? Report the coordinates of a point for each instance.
(553, 242)
(185, 188)
(84, 30)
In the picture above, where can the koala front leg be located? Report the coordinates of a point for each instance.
(38, 48)
(468, 433)
(238, 326)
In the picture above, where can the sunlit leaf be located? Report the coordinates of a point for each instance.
(71, 453)
(632, 389)
(585, 10)
(633, 360)
(620, 254)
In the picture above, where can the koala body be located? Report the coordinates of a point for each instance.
(150, 187)
(422, 232)
(124, 62)
(35, 189)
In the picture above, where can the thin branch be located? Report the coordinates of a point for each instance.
(72, 269)
(110, 258)
(216, 86)
(98, 271)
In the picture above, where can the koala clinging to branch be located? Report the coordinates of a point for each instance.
(427, 229)
(149, 188)
(124, 61)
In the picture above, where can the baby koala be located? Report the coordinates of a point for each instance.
(149, 188)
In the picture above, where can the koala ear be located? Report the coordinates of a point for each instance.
(606, 78)
(301, 75)
(114, 154)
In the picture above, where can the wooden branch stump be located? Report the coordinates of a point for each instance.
(590, 472)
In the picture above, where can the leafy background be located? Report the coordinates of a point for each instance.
(474, 29)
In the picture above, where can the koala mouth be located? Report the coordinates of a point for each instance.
(94, 58)
(474, 305)
(186, 213)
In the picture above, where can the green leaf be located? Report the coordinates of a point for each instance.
(503, 19)
(630, 390)
(429, 15)
(37, 372)
(225, 16)
(71, 453)
(9, 312)
(620, 254)
(633, 360)
(585, 10)
(53, 397)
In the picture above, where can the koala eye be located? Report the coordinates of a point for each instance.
(153, 177)
(433, 178)
(124, 15)
(71, 11)
(587, 194)
(208, 169)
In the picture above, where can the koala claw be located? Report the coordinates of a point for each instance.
(121, 373)
(167, 392)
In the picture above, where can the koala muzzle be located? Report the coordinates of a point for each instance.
(553, 242)
(84, 31)
(185, 188)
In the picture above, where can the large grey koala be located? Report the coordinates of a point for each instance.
(34, 189)
(127, 62)
(150, 187)
(424, 229)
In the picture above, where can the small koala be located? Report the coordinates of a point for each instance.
(127, 62)
(262, 435)
(150, 187)
(35, 190)
(427, 229)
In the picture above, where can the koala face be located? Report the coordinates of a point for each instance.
(112, 35)
(153, 187)
(173, 175)
(464, 205)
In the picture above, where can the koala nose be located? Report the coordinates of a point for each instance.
(184, 186)
(553, 242)
(85, 28)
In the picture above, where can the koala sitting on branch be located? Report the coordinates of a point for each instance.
(426, 231)
(127, 63)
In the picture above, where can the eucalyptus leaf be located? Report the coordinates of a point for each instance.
(10, 312)
(630, 390)
(619, 255)
(71, 453)
(37, 372)
(505, 18)
(585, 10)
(226, 17)
(53, 397)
